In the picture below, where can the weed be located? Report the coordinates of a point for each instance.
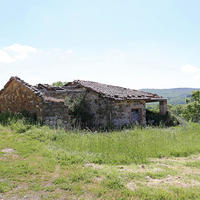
(195, 164)
(5, 186)
(113, 182)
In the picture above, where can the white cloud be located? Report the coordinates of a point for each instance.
(15, 52)
(69, 51)
(18, 48)
(6, 58)
(190, 69)
(197, 77)
(117, 67)
(192, 72)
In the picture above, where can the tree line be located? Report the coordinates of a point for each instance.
(189, 111)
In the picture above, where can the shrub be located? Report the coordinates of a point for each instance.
(80, 112)
(19, 122)
(58, 84)
(154, 118)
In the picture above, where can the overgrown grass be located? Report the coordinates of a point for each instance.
(117, 147)
(55, 164)
(123, 147)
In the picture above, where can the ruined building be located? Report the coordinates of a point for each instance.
(109, 104)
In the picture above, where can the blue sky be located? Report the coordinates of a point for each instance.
(131, 43)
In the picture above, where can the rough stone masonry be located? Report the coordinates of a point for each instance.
(110, 105)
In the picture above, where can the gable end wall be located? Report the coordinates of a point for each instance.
(17, 98)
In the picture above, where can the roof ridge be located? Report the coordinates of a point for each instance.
(27, 85)
(108, 85)
(116, 92)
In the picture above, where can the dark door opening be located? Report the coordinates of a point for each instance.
(135, 116)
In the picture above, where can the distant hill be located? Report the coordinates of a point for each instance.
(175, 95)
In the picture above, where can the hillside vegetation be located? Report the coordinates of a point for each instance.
(175, 95)
(142, 163)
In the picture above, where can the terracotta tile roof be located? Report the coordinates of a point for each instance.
(30, 87)
(115, 92)
(35, 89)
(108, 91)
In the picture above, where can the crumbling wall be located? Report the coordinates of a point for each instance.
(60, 92)
(122, 114)
(17, 98)
(51, 109)
(55, 114)
(108, 112)
(105, 111)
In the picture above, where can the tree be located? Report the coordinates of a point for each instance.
(192, 110)
(195, 97)
(79, 111)
(176, 109)
(59, 84)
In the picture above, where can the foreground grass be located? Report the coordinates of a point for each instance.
(150, 163)
(117, 147)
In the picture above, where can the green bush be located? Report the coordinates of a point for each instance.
(154, 118)
(80, 112)
(190, 111)
(58, 84)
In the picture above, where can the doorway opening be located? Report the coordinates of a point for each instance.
(135, 116)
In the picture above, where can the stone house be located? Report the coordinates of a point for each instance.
(110, 105)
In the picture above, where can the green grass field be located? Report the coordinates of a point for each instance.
(150, 163)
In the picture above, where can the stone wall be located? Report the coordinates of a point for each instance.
(61, 93)
(123, 113)
(17, 98)
(108, 112)
(55, 114)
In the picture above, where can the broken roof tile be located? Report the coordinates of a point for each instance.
(114, 92)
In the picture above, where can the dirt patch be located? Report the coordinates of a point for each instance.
(139, 170)
(8, 150)
(8, 153)
(98, 179)
(177, 181)
(56, 172)
(179, 164)
(46, 180)
(87, 196)
(30, 196)
(177, 159)
(93, 165)
(131, 186)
